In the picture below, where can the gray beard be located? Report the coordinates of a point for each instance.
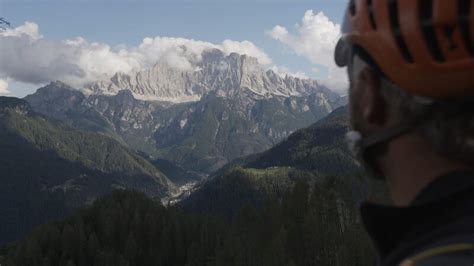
(355, 137)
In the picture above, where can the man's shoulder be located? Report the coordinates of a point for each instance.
(450, 254)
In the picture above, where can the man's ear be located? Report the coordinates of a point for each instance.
(375, 108)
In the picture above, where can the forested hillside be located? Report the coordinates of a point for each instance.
(310, 225)
(285, 210)
(48, 169)
(309, 154)
(320, 148)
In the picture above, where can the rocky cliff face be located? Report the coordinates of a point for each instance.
(226, 108)
(226, 76)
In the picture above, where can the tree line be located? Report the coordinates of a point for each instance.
(310, 225)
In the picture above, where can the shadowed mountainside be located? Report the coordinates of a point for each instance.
(48, 168)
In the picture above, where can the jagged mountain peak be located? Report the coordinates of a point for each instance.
(60, 85)
(225, 75)
(56, 99)
(212, 55)
(244, 59)
(58, 89)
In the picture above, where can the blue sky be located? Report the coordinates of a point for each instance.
(126, 23)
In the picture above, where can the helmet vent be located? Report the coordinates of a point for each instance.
(426, 15)
(370, 8)
(393, 13)
(463, 9)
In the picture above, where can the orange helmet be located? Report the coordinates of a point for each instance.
(425, 47)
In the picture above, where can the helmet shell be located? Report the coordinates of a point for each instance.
(426, 47)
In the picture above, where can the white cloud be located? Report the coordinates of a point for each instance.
(29, 29)
(4, 87)
(245, 47)
(26, 56)
(315, 39)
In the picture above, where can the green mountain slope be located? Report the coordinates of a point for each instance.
(126, 228)
(285, 212)
(309, 154)
(47, 169)
(320, 148)
(199, 136)
(226, 194)
(176, 174)
(69, 105)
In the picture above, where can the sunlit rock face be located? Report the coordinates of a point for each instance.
(227, 76)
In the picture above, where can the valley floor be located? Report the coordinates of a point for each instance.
(183, 192)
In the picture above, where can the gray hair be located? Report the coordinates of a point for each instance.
(449, 127)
